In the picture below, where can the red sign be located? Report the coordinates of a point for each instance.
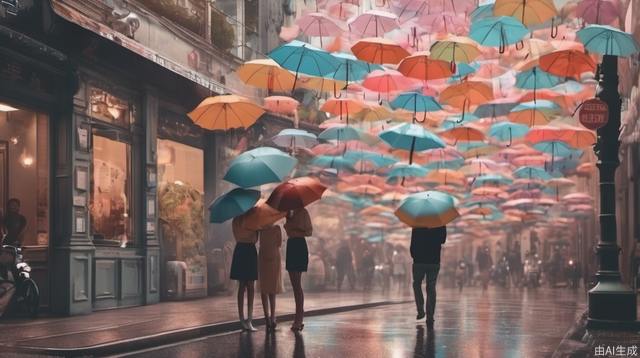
(594, 113)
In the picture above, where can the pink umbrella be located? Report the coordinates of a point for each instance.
(601, 12)
(531, 160)
(446, 23)
(373, 23)
(281, 104)
(318, 24)
(342, 10)
(388, 81)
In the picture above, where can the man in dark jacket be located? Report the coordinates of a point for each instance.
(426, 244)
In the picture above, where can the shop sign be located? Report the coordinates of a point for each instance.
(594, 113)
(22, 76)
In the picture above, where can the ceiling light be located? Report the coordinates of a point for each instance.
(7, 108)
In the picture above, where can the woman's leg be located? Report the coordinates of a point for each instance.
(250, 294)
(272, 303)
(265, 308)
(241, 287)
(296, 283)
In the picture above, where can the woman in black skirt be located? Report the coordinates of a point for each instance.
(298, 226)
(244, 269)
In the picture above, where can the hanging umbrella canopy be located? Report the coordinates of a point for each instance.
(406, 170)
(225, 112)
(598, 11)
(351, 69)
(296, 193)
(388, 81)
(482, 11)
(318, 24)
(529, 12)
(340, 133)
(364, 189)
(295, 138)
(379, 51)
(281, 105)
(342, 107)
(494, 109)
(567, 63)
(321, 84)
(409, 136)
(378, 159)
(556, 149)
(373, 23)
(333, 162)
(233, 203)
(420, 66)
(467, 94)
(492, 180)
(455, 49)
(462, 70)
(300, 57)
(607, 40)
(507, 132)
(497, 31)
(446, 177)
(429, 209)
(416, 102)
(260, 166)
(536, 78)
(463, 134)
(266, 74)
(531, 173)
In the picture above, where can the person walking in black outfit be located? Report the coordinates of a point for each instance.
(426, 244)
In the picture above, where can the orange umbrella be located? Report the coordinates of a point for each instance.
(379, 50)
(281, 104)
(421, 67)
(529, 117)
(531, 160)
(267, 74)
(366, 189)
(296, 193)
(373, 112)
(490, 192)
(467, 94)
(226, 112)
(342, 106)
(375, 210)
(463, 133)
(529, 12)
(321, 84)
(446, 177)
(260, 216)
(567, 63)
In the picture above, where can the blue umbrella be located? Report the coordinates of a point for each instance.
(458, 120)
(462, 71)
(556, 149)
(445, 164)
(507, 131)
(497, 31)
(416, 102)
(493, 110)
(351, 69)
(300, 57)
(334, 162)
(260, 166)
(343, 133)
(536, 78)
(411, 137)
(542, 105)
(407, 170)
(427, 209)
(231, 204)
(380, 160)
(532, 173)
(492, 179)
(607, 40)
(482, 12)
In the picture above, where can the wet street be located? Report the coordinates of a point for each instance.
(497, 323)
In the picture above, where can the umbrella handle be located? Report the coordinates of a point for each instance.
(335, 92)
(554, 29)
(520, 45)
(452, 66)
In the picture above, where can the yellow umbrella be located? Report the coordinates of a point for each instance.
(529, 117)
(267, 74)
(226, 112)
(373, 112)
(455, 49)
(529, 12)
(320, 84)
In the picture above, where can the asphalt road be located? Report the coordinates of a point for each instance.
(497, 323)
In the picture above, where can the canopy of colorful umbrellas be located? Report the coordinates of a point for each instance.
(435, 110)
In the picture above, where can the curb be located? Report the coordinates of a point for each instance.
(174, 336)
(571, 344)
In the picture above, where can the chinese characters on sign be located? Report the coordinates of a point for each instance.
(616, 351)
(594, 113)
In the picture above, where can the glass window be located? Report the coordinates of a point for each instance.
(111, 192)
(24, 165)
(109, 108)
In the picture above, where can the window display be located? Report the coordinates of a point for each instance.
(110, 192)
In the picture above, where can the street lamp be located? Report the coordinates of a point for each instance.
(612, 304)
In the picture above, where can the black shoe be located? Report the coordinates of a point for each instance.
(421, 315)
(430, 323)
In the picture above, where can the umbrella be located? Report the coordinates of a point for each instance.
(373, 23)
(462, 71)
(365, 189)
(607, 40)
(351, 69)
(226, 112)
(233, 203)
(373, 112)
(536, 78)
(531, 173)
(567, 63)
(260, 166)
(296, 193)
(342, 106)
(446, 177)
(497, 31)
(388, 81)
(406, 170)
(492, 179)
(455, 49)
(463, 133)
(506, 131)
(427, 209)
(416, 102)
(598, 11)
(466, 94)
(300, 57)
(318, 24)
(420, 66)
(482, 12)
(378, 159)
(281, 104)
(340, 133)
(321, 84)
(443, 23)
(380, 51)
(493, 110)
(529, 12)
(333, 162)
(411, 137)
(266, 74)
(295, 138)
(260, 216)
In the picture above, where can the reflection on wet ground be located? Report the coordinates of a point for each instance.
(497, 323)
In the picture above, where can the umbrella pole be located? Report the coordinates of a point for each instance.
(413, 146)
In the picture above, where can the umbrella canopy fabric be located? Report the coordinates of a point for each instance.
(266, 74)
(296, 193)
(406, 170)
(225, 112)
(334, 162)
(455, 49)
(507, 132)
(416, 102)
(420, 66)
(260, 166)
(567, 63)
(295, 138)
(379, 51)
(300, 57)
(233, 203)
(318, 24)
(373, 23)
(536, 78)
(607, 40)
(497, 31)
(351, 69)
(533, 173)
(340, 133)
(598, 11)
(529, 12)
(428, 209)
(493, 110)
(409, 136)
(260, 216)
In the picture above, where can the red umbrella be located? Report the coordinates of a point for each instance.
(296, 193)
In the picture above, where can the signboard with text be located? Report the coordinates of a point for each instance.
(594, 113)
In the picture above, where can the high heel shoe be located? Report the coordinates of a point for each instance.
(297, 328)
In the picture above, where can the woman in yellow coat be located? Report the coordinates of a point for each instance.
(269, 272)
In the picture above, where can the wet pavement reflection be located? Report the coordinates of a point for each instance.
(497, 323)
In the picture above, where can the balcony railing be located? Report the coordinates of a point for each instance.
(190, 17)
(233, 36)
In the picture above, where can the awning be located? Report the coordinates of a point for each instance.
(70, 14)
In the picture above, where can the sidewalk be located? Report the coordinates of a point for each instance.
(112, 331)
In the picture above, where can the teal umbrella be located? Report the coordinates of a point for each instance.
(427, 209)
(411, 137)
(445, 164)
(556, 149)
(492, 179)
(350, 69)
(536, 78)
(260, 166)
(407, 170)
(300, 57)
(231, 204)
(416, 102)
(497, 31)
(380, 160)
(507, 131)
(342, 133)
(607, 40)
(462, 70)
(333, 162)
(482, 12)
(493, 110)
(532, 173)
(543, 105)
(458, 120)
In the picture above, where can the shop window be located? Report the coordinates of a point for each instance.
(24, 165)
(109, 108)
(110, 200)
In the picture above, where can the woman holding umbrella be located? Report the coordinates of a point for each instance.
(244, 268)
(291, 197)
